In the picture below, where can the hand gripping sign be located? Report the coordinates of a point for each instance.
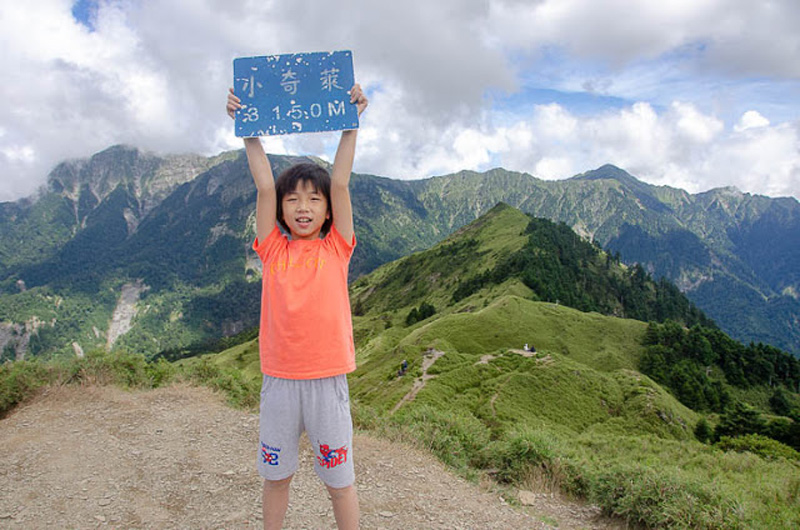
(293, 93)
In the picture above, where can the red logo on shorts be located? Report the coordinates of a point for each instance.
(332, 457)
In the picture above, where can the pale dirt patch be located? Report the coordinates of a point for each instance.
(485, 359)
(178, 457)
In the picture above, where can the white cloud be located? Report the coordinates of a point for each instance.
(749, 38)
(554, 168)
(693, 125)
(154, 74)
(680, 147)
(763, 159)
(751, 120)
(18, 153)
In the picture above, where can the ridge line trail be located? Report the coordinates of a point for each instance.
(179, 457)
(428, 359)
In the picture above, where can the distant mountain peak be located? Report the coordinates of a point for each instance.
(144, 175)
(500, 207)
(608, 172)
(725, 191)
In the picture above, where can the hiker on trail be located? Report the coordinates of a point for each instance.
(305, 303)
(403, 368)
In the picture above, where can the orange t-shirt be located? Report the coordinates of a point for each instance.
(306, 327)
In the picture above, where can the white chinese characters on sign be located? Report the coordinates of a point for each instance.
(289, 81)
(250, 86)
(305, 92)
(329, 79)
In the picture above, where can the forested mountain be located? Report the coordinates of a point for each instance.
(736, 255)
(508, 279)
(145, 253)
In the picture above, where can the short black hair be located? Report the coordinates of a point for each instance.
(306, 172)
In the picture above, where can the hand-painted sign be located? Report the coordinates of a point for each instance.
(302, 92)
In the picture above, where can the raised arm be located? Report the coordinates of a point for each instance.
(341, 206)
(261, 170)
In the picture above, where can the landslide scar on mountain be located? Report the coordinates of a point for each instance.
(125, 311)
(428, 359)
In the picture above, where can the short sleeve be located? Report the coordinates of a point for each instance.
(338, 243)
(270, 243)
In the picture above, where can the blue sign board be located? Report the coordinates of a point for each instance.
(293, 93)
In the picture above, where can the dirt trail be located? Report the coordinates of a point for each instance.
(427, 361)
(178, 457)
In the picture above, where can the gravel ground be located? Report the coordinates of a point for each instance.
(178, 457)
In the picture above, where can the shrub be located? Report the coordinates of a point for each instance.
(160, 372)
(242, 392)
(458, 439)
(759, 445)
(779, 402)
(418, 314)
(19, 380)
(128, 370)
(702, 431)
(521, 453)
(643, 495)
(740, 419)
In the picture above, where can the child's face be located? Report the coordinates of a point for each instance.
(305, 210)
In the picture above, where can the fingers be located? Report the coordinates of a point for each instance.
(357, 96)
(233, 104)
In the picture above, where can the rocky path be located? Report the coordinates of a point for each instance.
(178, 457)
(427, 361)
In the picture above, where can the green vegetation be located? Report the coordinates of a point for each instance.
(679, 448)
(417, 314)
(561, 267)
(699, 348)
(576, 414)
(126, 216)
(21, 380)
(706, 370)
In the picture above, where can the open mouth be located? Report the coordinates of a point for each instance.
(303, 223)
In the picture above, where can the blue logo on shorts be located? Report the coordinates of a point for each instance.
(269, 455)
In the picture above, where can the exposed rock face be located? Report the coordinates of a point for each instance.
(16, 337)
(125, 311)
(150, 178)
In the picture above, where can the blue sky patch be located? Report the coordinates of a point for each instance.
(85, 12)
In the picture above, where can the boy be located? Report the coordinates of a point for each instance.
(306, 336)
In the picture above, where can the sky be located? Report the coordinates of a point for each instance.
(693, 94)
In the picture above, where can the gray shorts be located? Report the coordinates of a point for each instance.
(321, 408)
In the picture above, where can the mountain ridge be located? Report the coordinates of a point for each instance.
(734, 254)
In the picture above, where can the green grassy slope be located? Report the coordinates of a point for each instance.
(582, 374)
(433, 274)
